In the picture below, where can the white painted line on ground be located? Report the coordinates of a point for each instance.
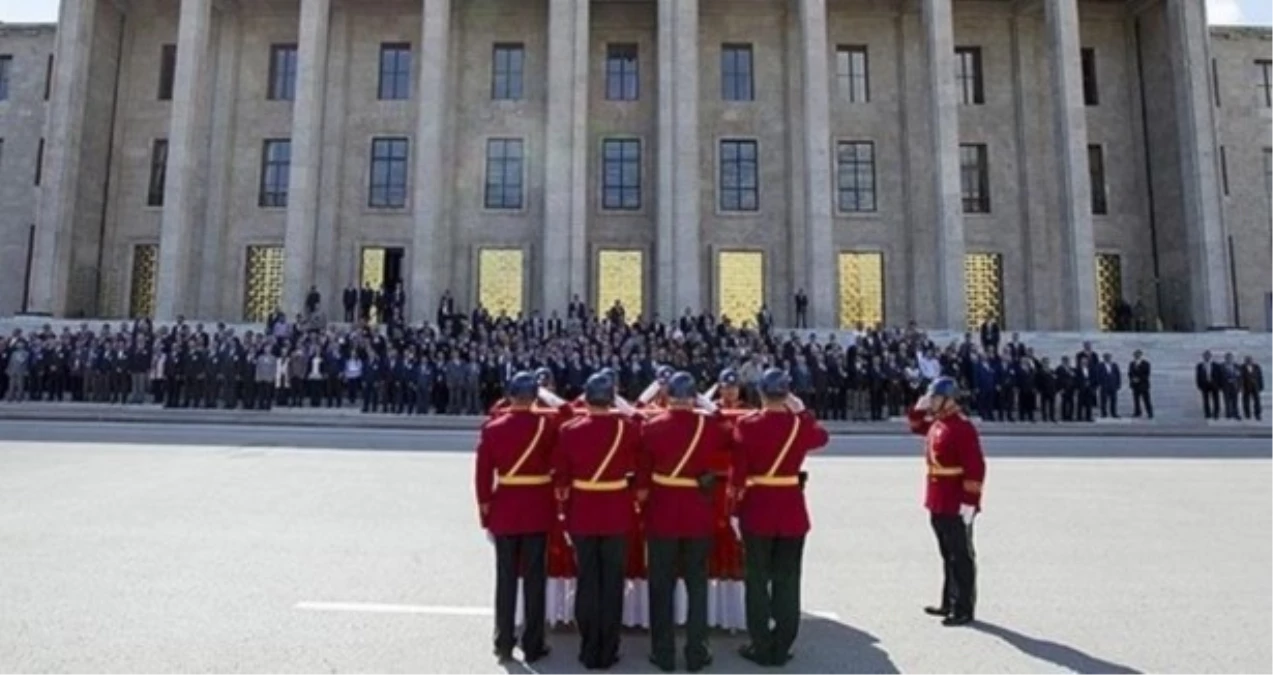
(829, 616)
(385, 608)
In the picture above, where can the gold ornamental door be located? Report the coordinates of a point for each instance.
(263, 287)
(861, 289)
(1109, 289)
(740, 285)
(620, 276)
(144, 281)
(501, 280)
(983, 288)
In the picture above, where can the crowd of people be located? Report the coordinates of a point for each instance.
(459, 364)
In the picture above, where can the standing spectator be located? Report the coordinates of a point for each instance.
(1231, 380)
(1252, 387)
(446, 307)
(19, 359)
(1045, 381)
(312, 300)
(454, 378)
(1111, 382)
(802, 309)
(349, 299)
(1086, 382)
(139, 367)
(1026, 382)
(265, 374)
(366, 301)
(1207, 380)
(1138, 372)
(990, 334)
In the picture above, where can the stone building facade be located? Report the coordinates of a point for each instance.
(934, 160)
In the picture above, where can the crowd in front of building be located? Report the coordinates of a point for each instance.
(460, 363)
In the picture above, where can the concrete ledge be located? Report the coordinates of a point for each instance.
(349, 417)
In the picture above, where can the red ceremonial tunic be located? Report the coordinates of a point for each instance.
(512, 471)
(772, 503)
(727, 550)
(595, 455)
(956, 465)
(679, 446)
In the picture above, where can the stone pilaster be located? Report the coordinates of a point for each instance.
(1189, 52)
(679, 253)
(55, 213)
(212, 258)
(1069, 119)
(563, 259)
(307, 135)
(939, 43)
(820, 254)
(187, 154)
(429, 252)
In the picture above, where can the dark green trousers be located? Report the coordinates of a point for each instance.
(691, 554)
(772, 580)
(599, 597)
(521, 556)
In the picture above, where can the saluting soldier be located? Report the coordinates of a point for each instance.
(769, 451)
(515, 498)
(676, 479)
(956, 469)
(596, 456)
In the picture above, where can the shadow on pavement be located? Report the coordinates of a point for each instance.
(824, 646)
(1046, 650)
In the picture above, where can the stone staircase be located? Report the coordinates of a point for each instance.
(1172, 355)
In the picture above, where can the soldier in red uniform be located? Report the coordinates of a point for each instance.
(595, 461)
(769, 450)
(677, 479)
(956, 470)
(515, 499)
(727, 551)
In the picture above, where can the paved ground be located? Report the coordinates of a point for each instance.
(126, 548)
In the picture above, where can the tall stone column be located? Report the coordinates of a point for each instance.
(678, 250)
(820, 252)
(307, 138)
(1069, 118)
(187, 155)
(564, 256)
(430, 238)
(1189, 50)
(55, 213)
(943, 129)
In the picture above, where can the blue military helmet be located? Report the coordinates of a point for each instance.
(544, 377)
(943, 386)
(681, 387)
(729, 378)
(775, 383)
(599, 390)
(663, 374)
(522, 386)
(608, 372)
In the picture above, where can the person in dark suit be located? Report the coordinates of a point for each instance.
(1252, 387)
(312, 300)
(1086, 381)
(1138, 379)
(1230, 380)
(1111, 382)
(1045, 382)
(1206, 380)
(985, 384)
(802, 309)
(349, 299)
(990, 333)
(446, 307)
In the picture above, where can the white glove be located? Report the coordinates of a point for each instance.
(550, 399)
(736, 526)
(706, 404)
(649, 393)
(623, 406)
(711, 393)
(967, 512)
(490, 538)
(924, 403)
(795, 404)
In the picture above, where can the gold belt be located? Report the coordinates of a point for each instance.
(773, 481)
(600, 485)
(524, 480)
(673, 481)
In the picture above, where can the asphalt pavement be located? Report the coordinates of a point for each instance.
(127, 548)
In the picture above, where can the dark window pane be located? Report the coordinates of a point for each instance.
(167, 71)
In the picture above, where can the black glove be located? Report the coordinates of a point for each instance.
(707, 482)
(803, 477)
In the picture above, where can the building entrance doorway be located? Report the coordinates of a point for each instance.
(381, 271)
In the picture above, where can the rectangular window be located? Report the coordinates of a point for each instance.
(507, 65)
(1215, 82)
(736, 81)
(48, 77)
(1264, 82)
(158, 172)
(852, 73)
(282, 73)
(974, 177)
(167, 71)
(1091, 91)
(276, 170)
(388, 173)
(39, 162)
(503, 174)
(1096, 175)
(6, 65)
(1224, 171)
(1268, 172)
(621, 174)
(739, 176)
(855, 176)
(968, 75)
(395, 71)
(622, 72)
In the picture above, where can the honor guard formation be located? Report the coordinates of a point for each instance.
(598, 506)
